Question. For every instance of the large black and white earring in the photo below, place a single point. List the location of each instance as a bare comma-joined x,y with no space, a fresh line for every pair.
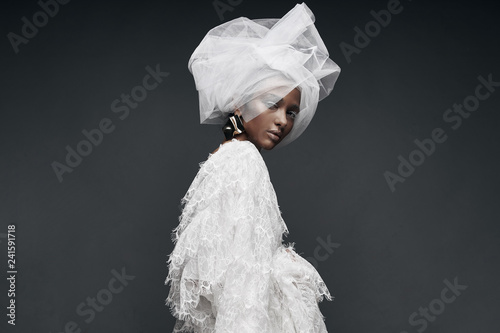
233,126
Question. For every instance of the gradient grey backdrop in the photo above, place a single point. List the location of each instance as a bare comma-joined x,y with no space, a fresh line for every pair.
116,210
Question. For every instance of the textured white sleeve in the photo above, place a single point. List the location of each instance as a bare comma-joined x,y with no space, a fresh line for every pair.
229,230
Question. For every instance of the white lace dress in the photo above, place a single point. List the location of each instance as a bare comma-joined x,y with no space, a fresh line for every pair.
229,270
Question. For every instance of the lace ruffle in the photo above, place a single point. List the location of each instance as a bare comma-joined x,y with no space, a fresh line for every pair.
229,270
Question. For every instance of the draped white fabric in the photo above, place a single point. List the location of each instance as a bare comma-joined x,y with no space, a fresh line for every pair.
229,270
242,59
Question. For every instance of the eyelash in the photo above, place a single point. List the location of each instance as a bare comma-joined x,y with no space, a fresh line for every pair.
271,105
293,114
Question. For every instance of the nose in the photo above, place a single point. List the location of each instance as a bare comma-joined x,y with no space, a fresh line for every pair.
280,117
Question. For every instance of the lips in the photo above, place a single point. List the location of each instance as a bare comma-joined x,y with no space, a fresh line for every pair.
274,135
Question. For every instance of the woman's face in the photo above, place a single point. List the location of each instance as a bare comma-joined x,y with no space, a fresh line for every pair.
275,120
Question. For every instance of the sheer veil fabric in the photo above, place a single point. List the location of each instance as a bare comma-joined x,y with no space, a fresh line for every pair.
242,59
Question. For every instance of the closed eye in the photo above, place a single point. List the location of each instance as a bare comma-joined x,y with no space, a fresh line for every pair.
271,105
292,114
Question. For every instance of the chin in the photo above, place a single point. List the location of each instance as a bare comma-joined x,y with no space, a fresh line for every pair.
268,148
269,144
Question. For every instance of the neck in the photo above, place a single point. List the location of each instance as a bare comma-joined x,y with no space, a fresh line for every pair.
242,137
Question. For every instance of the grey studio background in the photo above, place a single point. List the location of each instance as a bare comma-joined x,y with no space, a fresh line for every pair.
404,233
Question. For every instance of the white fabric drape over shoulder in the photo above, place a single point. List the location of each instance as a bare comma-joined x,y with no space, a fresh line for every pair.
229,271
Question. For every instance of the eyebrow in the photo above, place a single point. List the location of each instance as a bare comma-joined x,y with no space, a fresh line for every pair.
294,107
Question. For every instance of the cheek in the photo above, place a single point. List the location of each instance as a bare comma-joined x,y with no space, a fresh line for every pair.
252,129
290,126
258,130
257,125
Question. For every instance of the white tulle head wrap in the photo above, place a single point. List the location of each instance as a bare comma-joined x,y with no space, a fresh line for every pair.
242,59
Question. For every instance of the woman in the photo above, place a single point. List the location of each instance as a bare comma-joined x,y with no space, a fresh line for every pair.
229,270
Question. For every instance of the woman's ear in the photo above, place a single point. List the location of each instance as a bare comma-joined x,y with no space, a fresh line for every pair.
237,112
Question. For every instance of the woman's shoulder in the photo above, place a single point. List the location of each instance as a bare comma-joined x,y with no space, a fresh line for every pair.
235,158
235,147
